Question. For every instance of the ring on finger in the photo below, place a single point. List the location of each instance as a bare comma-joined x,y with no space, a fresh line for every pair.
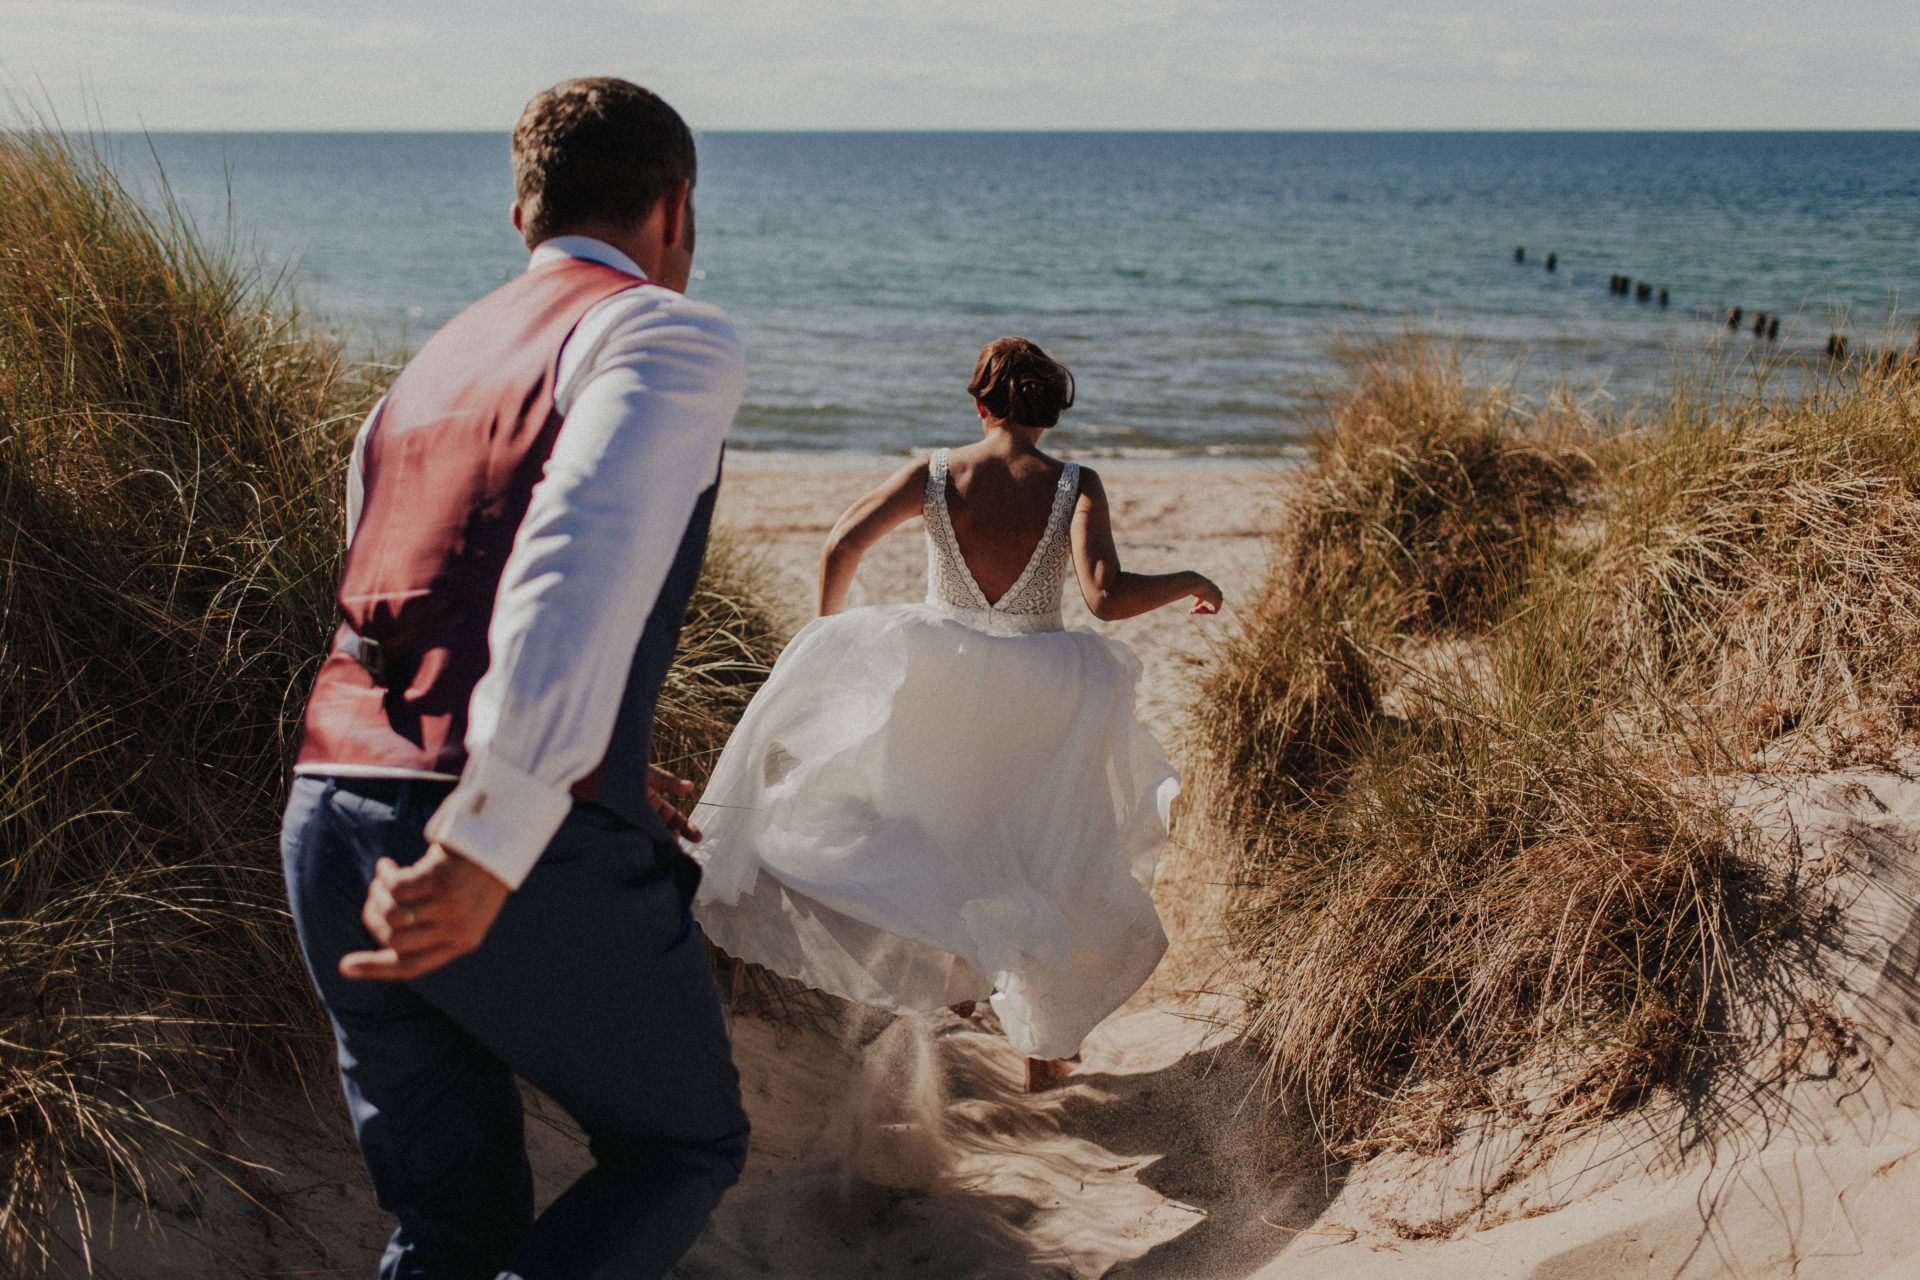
406,915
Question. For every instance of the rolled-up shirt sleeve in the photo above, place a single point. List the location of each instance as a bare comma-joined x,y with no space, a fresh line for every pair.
640,443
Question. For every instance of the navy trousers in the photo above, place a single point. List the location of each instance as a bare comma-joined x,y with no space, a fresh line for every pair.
593,985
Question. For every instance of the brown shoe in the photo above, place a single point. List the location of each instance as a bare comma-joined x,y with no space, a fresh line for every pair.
962,1010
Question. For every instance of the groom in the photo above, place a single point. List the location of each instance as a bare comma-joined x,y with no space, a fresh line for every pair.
485,882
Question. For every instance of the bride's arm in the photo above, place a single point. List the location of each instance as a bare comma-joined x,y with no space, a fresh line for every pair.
863,524
1112,593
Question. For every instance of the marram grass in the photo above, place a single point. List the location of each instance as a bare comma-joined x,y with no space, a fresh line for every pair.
173,434
1464,752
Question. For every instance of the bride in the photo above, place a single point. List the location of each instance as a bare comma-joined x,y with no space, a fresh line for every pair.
939,803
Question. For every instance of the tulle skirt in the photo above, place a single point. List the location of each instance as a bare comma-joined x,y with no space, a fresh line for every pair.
916,811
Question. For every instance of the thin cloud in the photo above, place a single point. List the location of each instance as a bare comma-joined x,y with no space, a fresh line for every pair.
76,22
990,63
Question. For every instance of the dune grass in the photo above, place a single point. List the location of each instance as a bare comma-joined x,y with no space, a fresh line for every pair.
1463,751
172,441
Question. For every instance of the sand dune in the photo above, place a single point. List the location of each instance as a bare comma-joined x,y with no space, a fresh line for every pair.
1150,1162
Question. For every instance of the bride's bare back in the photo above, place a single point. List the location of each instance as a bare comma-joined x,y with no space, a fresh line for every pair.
999,504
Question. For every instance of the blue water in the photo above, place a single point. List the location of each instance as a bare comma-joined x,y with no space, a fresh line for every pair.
1197,284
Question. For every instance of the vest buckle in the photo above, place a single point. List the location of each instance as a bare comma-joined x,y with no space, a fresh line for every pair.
370,654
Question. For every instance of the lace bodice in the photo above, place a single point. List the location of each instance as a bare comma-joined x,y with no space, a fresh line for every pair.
1032,603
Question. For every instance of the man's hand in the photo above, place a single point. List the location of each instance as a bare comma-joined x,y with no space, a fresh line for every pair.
424,915
661,785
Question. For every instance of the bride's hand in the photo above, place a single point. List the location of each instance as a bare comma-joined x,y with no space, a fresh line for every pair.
660,786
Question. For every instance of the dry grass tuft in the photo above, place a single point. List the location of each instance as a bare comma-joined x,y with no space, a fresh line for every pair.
1484,846
1429,493
1284,707
1762,562
1497,875
170,438
732,635
172,441
1419,506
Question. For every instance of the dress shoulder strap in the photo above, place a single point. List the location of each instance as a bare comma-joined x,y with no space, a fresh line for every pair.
1069,488
949,581
1065,494
936,496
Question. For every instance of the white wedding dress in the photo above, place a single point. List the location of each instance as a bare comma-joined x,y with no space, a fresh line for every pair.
937,802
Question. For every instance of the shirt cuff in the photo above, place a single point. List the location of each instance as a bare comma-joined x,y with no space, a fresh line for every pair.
499,817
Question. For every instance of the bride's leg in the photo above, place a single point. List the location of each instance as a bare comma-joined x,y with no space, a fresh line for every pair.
1044,1073
965,987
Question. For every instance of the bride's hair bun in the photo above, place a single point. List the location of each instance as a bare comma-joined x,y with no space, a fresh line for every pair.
1021,384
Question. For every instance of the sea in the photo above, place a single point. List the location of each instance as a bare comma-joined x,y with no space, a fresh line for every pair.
1203,287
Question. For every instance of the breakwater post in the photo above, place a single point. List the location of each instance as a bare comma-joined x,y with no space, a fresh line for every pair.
1520,254
1552,261
1733,318
1663,296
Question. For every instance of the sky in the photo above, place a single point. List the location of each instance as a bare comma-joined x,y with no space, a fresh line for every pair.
975,64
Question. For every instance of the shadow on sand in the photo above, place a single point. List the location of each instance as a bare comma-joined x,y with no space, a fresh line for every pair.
1198,1128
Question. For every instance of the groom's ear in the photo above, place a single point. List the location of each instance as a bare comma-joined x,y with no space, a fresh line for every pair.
676,228
519,218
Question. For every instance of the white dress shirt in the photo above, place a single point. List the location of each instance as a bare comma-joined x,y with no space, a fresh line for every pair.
648,384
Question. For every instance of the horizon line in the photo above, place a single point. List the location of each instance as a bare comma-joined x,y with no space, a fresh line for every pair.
1091,130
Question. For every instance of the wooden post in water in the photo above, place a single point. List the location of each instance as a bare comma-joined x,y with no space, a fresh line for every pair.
1733,318
1520,253
1759,324
1836,346
1552,261
1642,291
1663,296
1773,328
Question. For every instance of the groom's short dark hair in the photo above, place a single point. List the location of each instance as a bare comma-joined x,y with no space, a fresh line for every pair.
597,149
